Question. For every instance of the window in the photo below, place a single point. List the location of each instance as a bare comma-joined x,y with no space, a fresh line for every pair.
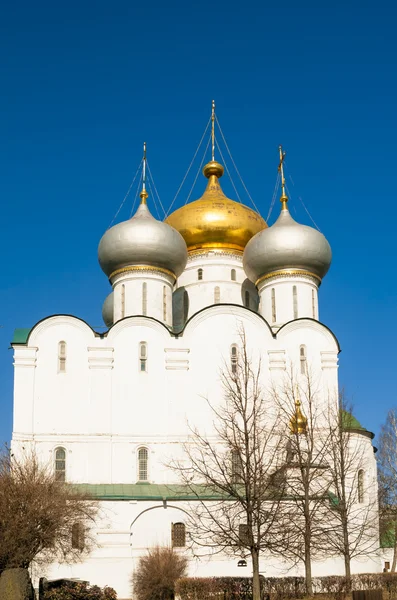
233,358
60,464
247,299
302,356
62,357
274,316
360,486
143,357
217,295
233,274
143,459
243,534
144,298
295,301
178,535
200,274
313,304
164,303
78,536
123,301
237,467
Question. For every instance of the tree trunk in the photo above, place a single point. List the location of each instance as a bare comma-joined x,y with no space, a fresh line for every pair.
256,582
348,574
308,572
346,549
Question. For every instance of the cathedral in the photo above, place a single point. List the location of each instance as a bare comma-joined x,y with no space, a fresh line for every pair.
108,409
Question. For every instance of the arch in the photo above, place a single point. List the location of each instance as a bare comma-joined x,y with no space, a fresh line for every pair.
314,324
54,320
165,505
143,463
60,463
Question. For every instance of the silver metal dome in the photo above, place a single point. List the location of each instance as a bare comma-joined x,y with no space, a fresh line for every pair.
142,240
285,245
107,310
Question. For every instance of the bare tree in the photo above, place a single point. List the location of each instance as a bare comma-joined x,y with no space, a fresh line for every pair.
307,486
231,472
353,523
39,514
387,480
157,573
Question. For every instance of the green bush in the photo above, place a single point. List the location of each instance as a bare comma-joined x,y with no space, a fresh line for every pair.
80,591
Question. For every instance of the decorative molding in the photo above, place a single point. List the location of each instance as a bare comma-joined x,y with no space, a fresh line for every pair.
277,360
143,269
290,273
178,359
329,359
202,253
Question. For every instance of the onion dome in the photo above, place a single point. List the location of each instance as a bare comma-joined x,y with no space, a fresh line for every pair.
107,310
214,221
298,422
285,246
142,241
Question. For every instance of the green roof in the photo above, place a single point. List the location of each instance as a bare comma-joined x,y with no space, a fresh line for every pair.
350,422
388,536
21,335
147,491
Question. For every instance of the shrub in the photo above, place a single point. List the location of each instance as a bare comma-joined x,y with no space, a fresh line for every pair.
156,574
80,591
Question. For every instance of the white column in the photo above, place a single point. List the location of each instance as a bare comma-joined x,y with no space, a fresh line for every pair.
24,376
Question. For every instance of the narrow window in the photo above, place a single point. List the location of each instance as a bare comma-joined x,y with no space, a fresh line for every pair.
60,464
144,298
302,356
164,303
247,299
233,274
360,486
62,357
237,467
274,316
295,301
313,304
217,295
78,536
243,534
233,358
185,306
178,535
143,356
143,464
123,301
200,274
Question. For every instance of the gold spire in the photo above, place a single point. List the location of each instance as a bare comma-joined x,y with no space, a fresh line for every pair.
298,422
144,195
284,197
213,131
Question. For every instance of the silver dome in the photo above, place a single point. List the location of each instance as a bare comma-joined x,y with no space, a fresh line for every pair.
107,310
142,240
286,245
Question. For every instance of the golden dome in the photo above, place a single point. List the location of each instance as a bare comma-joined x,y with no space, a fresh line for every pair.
214,221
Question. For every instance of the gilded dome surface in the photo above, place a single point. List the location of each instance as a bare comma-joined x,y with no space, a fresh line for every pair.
287,245
107,310
142,241
214,221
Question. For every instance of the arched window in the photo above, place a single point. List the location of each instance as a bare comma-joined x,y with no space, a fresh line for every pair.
233,358
178,535
303,359
313,304
78,536
144,298
217,295
60,464
143,466
200,274
62,357
123,301
247,299
233,274
274,315
360,486
143,356
295,301
237,467
164,303
185,306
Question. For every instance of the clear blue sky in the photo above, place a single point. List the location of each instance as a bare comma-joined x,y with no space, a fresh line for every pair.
83,84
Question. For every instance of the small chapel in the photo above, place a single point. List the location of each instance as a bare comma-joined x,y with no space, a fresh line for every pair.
108,409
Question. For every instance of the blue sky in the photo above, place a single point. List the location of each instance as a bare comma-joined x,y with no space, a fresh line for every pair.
84,84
